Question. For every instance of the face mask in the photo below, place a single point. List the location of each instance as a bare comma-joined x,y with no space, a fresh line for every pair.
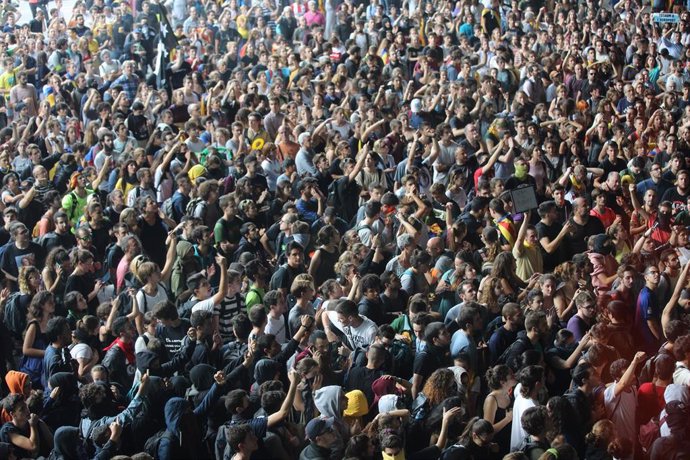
520,171
399,456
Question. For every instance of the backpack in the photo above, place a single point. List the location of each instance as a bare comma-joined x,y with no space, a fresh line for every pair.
167,208
332,198
403,359
73,209
15,316
650,432
153,443
184,305
505,356
146,306
528,446
193,203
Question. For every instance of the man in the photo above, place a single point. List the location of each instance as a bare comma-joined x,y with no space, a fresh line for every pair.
129,81
467,292
551,235
119,358
647,321
602,212
678,195
274,118
304,159
57,357
283,277
505,335
462,341
655,182
322,437
583,320
24,92
583,226
180,199
527,253
362,377
61,236
345,190
536,328
620,398
433,357
21,253
584,382
356,330
242,440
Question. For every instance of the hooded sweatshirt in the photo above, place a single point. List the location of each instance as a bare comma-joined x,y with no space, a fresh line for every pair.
65,409
69,446
179,442
15,382
328,402
185,264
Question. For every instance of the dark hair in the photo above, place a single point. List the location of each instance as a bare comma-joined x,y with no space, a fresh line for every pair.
257,315
236,435
467,314
347,307
529,377
234,400
534,419
496,375
165,311
55,328
582,372
477,426
432,331
272,400
242,326
199,317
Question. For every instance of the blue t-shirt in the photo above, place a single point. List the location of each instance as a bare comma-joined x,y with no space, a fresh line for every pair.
647,309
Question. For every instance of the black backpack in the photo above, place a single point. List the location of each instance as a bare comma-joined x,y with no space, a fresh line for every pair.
15,315
505,357
153,443
333,199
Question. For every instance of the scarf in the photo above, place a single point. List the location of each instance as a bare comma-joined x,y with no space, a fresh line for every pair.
127,348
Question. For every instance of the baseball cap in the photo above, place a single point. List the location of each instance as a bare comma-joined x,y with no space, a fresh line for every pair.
318,426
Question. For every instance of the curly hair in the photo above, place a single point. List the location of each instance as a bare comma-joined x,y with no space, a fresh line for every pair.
439,386
23,279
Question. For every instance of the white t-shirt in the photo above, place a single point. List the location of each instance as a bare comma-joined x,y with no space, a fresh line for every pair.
277,328
146,302
517,434
360,336
81,351
621,410
207,305
681,376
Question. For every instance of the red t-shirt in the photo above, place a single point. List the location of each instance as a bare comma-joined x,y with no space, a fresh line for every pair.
650,401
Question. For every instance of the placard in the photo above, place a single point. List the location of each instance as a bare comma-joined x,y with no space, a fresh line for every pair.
524,199
666,18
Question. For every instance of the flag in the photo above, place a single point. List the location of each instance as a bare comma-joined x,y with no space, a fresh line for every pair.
167,41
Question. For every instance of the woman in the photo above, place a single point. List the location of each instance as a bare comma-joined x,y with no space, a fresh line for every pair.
123,142
602,442
11,193
619,237
360,446
127,180
82,278
84,335
62,407
55,273
29,436
504,269
475,441
35,342
497,405
322,264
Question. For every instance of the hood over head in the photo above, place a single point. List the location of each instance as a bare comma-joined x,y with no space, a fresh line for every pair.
328,401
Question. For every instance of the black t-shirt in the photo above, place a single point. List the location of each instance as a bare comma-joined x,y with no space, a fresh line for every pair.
361,378
13,258
348,198
137,124
153,240
172,336
83,284
373,310
560,254
678,201
576,240
426,362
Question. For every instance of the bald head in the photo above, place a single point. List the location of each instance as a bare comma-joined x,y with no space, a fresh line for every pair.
434,246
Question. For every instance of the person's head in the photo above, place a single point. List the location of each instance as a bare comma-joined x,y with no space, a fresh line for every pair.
437,334
202,321
477,431
583,376
534,420
294,252
652,276
320,431
535,323
531,379
58,331
15,405
681,348
586,305
123,329
470,319
241,438
500,377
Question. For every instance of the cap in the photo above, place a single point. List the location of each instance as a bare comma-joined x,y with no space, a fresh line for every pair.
388,403
138,105
318,426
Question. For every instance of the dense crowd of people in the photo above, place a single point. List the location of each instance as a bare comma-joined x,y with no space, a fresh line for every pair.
345,230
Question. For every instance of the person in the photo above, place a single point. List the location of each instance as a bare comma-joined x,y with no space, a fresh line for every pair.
496,407
530,379
321,436
647,313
